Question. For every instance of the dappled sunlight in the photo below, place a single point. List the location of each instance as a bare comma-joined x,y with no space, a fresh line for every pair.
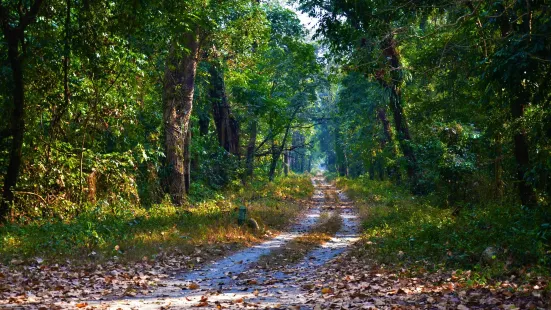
219,154
236,279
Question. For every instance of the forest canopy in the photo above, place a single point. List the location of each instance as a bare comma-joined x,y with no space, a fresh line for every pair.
117,102
391,153
129,103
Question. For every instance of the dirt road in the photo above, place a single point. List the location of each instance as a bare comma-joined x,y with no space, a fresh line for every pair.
239,281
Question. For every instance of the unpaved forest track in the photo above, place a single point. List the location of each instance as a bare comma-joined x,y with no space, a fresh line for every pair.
237,282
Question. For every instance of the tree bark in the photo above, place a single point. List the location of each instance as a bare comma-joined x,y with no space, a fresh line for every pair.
67,52
273,163
396,105
518,105
204,121
178,102
276,151
17,123
227,126
498,166
381,114
187,161
286,163
251,147
520,139
393,172
14,35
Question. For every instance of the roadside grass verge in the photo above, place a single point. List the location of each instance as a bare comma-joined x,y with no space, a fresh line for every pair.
131,232
296,249
407,231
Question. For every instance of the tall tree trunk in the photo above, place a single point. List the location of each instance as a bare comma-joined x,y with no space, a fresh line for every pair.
393,172
234,136
346,168
178,102
17,123
67,52
498,166
339,152
396,105
518,105
381,114
14,35
273,163
227,126
372,169
520,139
251,147
204,121
276,151
286,162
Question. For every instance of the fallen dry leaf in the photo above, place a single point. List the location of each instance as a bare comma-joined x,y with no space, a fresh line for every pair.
326,290
193,286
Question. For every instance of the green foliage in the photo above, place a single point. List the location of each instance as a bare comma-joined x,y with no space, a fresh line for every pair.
473,83
97,138
404,229
139,231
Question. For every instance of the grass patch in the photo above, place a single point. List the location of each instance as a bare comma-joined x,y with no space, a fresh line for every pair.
298,248
409,231
131,232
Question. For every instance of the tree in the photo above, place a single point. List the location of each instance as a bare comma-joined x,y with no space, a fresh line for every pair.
206,20
366,31
14,20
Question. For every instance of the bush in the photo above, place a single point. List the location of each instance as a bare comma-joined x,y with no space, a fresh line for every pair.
210,217
395,222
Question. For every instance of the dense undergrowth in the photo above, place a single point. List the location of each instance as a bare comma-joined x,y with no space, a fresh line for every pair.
408,230
131,231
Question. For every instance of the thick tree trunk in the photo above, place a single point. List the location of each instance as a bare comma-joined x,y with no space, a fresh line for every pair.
227,126
381,114
13,36
396,106
178,102
251,147
520,139
234,137
518,105
17,123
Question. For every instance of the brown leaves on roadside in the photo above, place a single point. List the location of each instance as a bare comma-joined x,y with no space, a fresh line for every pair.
203,302
37,282
326,290
352,283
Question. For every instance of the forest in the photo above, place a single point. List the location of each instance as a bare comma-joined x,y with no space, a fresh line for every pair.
138,132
